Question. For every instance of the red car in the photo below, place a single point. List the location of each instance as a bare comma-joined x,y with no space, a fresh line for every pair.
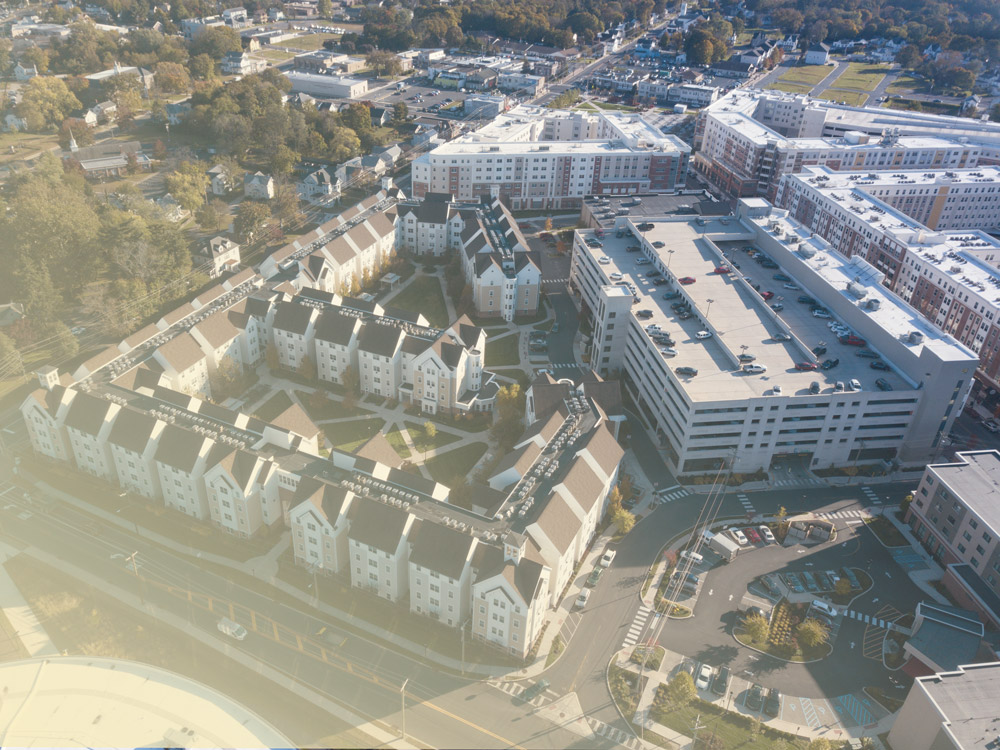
853,341
752,535
767,295
805,366
722,269
687,280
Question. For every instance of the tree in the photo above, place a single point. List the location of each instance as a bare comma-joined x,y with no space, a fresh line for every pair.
251,217
125,90
213,215
307,368
820,743
285,203
351,380
282,161
430,432
681,690
228,380
215,41
188,184
548,223
400,113
342,144
172,77
614,501
812,633
37,56
324,8
909,57
842,587
756,627
709,741
623,521
45,103
159,150
82,133
202,67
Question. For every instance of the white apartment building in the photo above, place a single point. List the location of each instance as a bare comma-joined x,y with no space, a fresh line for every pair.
182,360
133,442
440,574
293,328
242,493
318,523
377,545
534,157
88,424
718,411
951,277
44,412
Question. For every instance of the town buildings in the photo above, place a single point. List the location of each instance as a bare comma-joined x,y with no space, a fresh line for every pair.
543,158
721,411
331,86
955,514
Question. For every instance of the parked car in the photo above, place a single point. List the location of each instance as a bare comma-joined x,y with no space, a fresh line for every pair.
704,678
854,384
703,335
781,336
767,295
754,369
739,536
878,364
819,350
582,599
608,558
595,576
755,698
686,315
772,704
883,385
668,351
822,607
721,682
805,299
851,340
814,387
671,295
746,357
687,280
781,277
820,314
867,354
689,371
829,364
752,534
793,287
722,269
806,366
777,307
766,532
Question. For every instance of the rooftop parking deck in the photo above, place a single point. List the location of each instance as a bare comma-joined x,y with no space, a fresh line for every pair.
726,305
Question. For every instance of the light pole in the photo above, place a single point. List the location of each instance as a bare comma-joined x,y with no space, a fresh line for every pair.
402,698
670,255
135,571
708,309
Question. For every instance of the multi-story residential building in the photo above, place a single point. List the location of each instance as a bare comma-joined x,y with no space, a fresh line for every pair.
336,344
955,513
241,64
378,549
292,330
182,360
219,255
535,157
707,407
440,574
748,139
182,458
318,522
44,413
133,442
242,493
318,184
951,277
88,425
258,186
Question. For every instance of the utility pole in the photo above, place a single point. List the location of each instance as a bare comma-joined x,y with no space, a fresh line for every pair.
135,571
402,697
697,725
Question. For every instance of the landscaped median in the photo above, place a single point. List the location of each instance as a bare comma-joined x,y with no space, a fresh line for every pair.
789,635
886,532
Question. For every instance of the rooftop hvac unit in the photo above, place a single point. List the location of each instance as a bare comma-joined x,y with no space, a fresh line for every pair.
916,337
856,290
873,304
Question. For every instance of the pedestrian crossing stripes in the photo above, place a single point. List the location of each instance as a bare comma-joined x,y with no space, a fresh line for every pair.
514,689
844,514
638,623
872,497
616,735
811,481
563,365
673,494
745,502
872,620
555,281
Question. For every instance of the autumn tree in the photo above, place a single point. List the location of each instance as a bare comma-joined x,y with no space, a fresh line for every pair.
351,380
188,184
285,203
756,627
325,8
215,41
213,215
624,521
172,78
681,689
45,103
383,62
307,369
251,217
812,633
430,432
842,587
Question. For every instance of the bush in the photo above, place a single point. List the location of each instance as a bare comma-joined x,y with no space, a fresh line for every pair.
653,656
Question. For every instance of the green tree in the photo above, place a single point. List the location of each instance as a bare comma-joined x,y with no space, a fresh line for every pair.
172,77
282,161
623,521
383,62
125,91
820,743
251,217
202,67
400,113
188,184
812,633
342,144
358,117
351,380
228,380
325,8
45,103
215,41
37,56
756,627
285,203
842,587
681,689
430,432
213,215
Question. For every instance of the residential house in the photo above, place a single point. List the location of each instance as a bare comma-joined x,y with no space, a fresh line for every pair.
235,18
241,64
182,457
24,72
220,181
109,159
258,186
219,255
381,116
318,184
177,111
336,344
184,364
818,53
44,412
238,489
134,441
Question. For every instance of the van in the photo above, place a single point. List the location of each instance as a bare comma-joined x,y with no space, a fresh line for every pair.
820,606
232,629
692,556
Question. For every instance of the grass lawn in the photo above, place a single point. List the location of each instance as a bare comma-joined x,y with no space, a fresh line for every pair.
87,621
730,727
395,438
275,55
908,84
887,533
441,438
456,463
423,295
309,42
349,436
502,351
274,406
919,106
852,98
610,106
861,76
810,74
329,409
791,88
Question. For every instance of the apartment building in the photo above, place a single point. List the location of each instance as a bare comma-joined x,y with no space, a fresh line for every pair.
183,361
393,353
955,514
318,523
440,574
377,545
133,442
242,493
951,277
88,425
717,410
535,157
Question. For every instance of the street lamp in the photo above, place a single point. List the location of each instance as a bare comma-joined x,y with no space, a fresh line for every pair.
402,698
670,254
708,309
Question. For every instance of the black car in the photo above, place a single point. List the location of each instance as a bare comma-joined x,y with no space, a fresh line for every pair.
781,277
534,691
645,226
685,315
878,364
818,350
660,282
883,385
755,698
814,387
652,274
689,371
721,682
777,307
679,305
867,354
772,705
829,364
805,299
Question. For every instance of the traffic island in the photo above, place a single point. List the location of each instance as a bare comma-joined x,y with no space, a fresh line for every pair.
788,634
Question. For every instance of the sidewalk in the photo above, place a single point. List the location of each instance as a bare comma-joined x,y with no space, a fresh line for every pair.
22,618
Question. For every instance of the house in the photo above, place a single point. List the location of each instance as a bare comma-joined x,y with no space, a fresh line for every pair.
109,159
817,54
733,68
97,80
242,494
970,105
318,184
24,72
177,111
172,210
184,364
235,18
182,457
292,330
220,182
381,116
258,186
88,424
10,313
133,441
101,114
221,255
318,522
241,64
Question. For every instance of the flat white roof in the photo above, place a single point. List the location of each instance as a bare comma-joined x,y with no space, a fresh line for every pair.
825,178
581,148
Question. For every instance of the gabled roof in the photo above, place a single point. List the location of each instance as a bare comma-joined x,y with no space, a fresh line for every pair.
380,339
376,524
583,484
335,327
525,577
181,352
87,413
558,522
218,329
327,498
293,317
294,419
439,548
602,445
377,448
179,448
132,430
241,466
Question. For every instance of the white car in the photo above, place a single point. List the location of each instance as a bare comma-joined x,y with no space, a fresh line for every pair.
642,262
703,335
792,286
704,677
754,369
615,276
666,351
582,599
821,314
608,558
604,260
740,537
767,534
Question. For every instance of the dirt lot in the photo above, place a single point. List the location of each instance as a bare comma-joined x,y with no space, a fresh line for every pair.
83,620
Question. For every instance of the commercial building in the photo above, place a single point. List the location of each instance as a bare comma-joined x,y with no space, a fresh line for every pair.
485,106
955,514
662,91
951,277
742,381
748,139
328,86
505,275
950,711
544,158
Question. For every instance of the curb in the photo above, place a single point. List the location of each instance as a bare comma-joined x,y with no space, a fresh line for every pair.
607,682
732,634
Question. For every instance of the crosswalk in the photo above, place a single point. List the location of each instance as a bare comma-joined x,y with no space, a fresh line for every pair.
563,365
800,481
672,493
870,494
874,621
638,623
615,735
556,281
844,514
514,689
747,505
